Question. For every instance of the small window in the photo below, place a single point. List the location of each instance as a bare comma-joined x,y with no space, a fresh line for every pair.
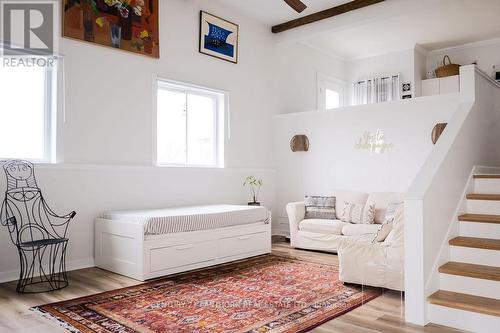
189,126
26,117
330,93
376,90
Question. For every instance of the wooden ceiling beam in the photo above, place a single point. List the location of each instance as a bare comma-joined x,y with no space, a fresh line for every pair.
324,14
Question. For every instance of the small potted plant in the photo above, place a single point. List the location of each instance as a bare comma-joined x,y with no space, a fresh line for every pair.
255,185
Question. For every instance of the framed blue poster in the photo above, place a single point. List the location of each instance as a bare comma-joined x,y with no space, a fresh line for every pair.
218,37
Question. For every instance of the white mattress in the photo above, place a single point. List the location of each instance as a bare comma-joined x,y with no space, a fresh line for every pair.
184,219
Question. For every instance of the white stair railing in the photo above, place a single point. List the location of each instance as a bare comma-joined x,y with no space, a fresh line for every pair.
471,138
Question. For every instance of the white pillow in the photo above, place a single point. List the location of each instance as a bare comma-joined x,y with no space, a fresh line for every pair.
383,231
391,211
393,226
396,236
357,213
369,214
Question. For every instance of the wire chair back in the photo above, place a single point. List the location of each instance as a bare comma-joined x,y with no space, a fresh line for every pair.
24,210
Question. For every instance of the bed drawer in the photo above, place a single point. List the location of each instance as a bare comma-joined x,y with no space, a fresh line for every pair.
244,244
182,255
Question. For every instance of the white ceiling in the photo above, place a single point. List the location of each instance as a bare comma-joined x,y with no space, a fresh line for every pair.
389,26
271,12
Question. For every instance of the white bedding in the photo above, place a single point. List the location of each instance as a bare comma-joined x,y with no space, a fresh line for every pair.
184,219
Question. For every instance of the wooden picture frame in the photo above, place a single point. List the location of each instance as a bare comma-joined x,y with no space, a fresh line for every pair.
218,38
130,26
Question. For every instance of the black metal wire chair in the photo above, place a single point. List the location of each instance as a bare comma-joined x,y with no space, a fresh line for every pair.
38,233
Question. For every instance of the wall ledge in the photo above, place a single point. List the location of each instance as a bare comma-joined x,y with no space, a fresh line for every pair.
453,97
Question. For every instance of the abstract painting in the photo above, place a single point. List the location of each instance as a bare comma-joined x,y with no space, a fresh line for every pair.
218,37
130,25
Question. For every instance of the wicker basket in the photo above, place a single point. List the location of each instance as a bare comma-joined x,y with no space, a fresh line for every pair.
447,70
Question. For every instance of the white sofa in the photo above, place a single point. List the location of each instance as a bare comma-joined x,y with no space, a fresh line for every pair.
361,261
325,235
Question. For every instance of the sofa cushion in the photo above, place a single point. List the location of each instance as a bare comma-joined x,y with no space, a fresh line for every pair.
322,226
359,229
381,200
342,196
318,207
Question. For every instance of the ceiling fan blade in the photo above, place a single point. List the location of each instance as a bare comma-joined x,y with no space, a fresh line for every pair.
298,5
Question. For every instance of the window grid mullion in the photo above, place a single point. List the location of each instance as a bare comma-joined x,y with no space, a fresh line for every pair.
215,112
186,108
47,115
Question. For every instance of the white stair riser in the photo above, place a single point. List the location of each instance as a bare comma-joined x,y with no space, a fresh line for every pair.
474,256
468,285
488,207
487,186
464,320
480,230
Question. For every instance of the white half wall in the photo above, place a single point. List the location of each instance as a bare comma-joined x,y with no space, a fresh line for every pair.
332,161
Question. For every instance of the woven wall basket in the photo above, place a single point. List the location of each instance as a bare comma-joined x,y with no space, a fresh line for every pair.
447,69
437,131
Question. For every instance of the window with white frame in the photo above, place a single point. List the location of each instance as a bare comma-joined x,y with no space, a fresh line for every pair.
376,90
331,92
189,125
27,116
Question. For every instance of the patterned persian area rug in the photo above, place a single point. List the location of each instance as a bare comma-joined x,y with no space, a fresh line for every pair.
269,294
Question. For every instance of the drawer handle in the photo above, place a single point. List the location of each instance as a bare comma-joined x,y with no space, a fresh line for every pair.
185,247
244,237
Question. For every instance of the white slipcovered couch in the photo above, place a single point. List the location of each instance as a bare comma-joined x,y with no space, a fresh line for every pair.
375,264
361,260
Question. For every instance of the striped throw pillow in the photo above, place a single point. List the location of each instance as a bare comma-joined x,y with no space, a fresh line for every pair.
318,207
358,213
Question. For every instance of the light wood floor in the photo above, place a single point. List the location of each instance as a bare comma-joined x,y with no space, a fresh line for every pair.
383,314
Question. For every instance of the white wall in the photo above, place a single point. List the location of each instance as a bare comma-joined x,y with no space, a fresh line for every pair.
332,162
296,72
401,62
107,135
91,189
486,53
419,71
108,128
109,101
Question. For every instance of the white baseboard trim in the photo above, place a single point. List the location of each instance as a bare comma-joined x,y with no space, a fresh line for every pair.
72,265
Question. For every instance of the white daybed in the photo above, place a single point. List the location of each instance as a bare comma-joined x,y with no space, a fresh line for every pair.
151,243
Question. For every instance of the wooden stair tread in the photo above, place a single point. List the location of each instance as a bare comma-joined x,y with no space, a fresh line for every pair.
487,176
478,243
484,305
479,218
477,196
471,270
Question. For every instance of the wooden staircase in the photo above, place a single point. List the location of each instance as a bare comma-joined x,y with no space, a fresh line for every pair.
469,295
